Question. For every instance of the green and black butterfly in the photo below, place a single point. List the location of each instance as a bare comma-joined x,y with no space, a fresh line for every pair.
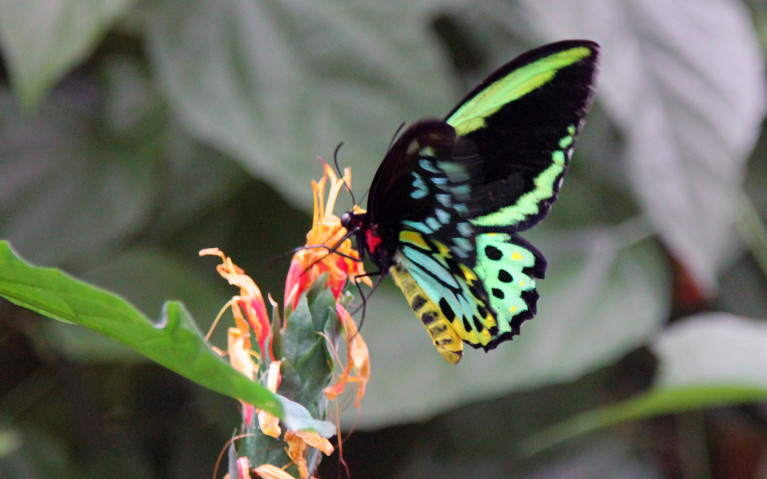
448,202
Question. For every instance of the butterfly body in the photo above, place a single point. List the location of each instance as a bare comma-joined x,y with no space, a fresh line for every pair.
450,197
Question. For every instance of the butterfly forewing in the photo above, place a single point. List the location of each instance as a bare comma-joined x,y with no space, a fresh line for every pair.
524,120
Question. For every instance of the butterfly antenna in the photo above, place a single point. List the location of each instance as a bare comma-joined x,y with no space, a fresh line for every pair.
340,175
331,250
396,134
364,196
274,259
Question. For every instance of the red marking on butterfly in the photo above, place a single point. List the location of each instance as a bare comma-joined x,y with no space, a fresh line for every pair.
373,241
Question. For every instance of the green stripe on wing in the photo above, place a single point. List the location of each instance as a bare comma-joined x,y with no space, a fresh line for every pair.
471,115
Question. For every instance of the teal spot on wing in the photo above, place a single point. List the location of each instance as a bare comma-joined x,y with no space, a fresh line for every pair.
418,226
465,229
421,190
428,166
464,246
432,264
455,171
442,216
433,223
445,200
462,190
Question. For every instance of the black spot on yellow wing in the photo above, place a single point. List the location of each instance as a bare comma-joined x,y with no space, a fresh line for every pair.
446,309
444,337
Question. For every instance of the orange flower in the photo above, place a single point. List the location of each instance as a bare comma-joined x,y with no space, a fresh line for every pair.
250,300
249,313
243,468
325,252
268,471
270,424
299,442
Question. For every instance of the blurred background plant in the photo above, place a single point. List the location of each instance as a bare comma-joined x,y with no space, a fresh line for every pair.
133,134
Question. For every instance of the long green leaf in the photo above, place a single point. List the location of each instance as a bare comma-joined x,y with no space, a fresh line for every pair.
707,360
652,404
174,341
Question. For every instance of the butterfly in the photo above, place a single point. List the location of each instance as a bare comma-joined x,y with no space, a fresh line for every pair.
450,197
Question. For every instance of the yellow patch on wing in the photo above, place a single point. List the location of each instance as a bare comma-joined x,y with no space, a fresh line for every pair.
469,275
442,249
475,336
414,238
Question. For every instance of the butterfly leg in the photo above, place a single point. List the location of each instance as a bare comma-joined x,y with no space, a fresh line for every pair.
364,297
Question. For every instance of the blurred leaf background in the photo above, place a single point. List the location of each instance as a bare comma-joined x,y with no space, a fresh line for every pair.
135,133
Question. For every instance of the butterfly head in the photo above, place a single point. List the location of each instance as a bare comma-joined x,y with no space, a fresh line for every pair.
355,220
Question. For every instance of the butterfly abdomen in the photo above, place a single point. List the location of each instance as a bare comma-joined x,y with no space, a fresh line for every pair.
445,339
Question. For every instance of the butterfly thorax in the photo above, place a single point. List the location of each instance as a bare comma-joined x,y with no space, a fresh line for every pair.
372,239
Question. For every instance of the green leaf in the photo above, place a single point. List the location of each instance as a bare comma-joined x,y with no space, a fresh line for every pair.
275,84
259,448
43,39
688,102
652,404
708,360
135,273
174,342
307,367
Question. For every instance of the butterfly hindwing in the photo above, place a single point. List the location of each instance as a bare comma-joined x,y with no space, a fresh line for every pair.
507,265
482,305
443,291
